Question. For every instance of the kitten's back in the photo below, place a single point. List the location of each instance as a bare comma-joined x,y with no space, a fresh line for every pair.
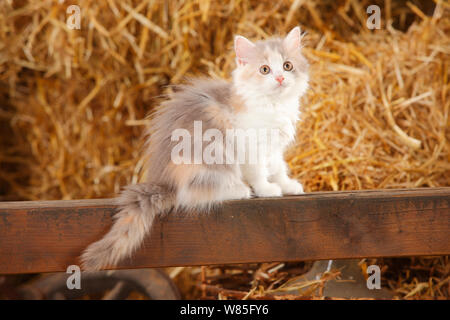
206,100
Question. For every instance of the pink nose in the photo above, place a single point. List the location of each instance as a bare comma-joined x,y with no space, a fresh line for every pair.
279,79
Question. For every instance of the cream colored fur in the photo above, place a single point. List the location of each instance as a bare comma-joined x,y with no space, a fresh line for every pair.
252,101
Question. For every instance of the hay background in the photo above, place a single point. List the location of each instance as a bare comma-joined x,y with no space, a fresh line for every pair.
73,102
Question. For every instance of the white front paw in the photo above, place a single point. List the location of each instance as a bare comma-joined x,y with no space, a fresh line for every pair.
245,192
291,186
267,190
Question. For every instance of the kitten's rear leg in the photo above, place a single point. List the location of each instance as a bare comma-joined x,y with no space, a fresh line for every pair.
229,185
209,186
234,192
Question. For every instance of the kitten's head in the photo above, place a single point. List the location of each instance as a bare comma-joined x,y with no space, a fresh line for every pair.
271,68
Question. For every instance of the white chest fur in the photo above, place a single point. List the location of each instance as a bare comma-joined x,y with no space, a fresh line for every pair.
279,115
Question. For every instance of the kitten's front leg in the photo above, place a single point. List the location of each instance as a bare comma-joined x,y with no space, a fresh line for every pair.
280,177
256,175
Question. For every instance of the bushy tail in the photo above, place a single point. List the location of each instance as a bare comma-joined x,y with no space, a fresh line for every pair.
138,206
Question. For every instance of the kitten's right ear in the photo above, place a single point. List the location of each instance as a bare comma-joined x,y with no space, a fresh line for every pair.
244,49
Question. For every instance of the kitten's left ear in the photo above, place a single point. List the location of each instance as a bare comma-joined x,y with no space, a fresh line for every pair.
293,40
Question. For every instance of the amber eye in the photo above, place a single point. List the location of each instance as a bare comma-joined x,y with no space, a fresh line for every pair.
265,69
287,66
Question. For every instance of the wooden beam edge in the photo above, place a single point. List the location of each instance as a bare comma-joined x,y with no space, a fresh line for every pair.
48,236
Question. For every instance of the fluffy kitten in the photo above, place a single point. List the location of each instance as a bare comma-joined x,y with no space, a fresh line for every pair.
267,84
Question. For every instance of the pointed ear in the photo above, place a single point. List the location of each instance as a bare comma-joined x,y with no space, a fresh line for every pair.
293,40
244,49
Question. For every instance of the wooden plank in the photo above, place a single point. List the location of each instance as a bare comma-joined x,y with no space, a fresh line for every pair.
48,236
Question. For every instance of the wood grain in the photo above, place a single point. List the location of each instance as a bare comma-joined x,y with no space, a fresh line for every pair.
47,236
